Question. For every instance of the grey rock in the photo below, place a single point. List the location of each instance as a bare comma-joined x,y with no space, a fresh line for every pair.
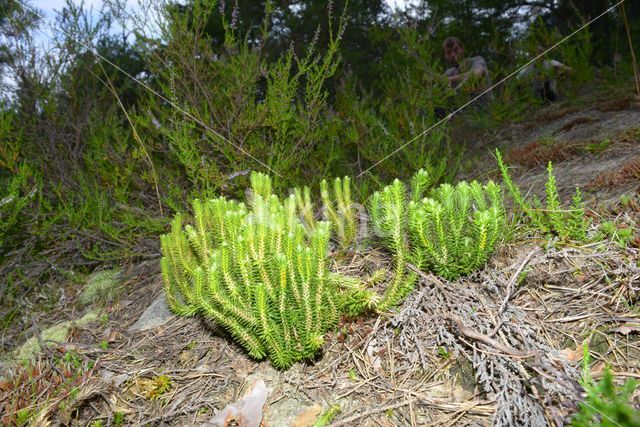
156,315
112,378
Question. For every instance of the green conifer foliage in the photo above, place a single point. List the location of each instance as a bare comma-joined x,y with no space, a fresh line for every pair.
259,273
577,221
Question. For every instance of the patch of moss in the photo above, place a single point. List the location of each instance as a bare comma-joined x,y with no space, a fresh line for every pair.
465,375
54,334
92,316
101,287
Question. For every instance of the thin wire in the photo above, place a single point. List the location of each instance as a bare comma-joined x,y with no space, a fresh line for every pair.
584,402
92,50
143,84
448,117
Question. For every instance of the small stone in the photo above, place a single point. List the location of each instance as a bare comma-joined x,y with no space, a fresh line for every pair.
155,315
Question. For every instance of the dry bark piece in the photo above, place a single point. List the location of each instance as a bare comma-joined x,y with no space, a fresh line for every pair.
308,416
246,412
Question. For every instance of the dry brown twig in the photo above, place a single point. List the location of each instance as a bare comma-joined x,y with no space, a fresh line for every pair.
509,290
506,350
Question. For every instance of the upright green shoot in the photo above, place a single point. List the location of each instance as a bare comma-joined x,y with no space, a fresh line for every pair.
340,210
552,219
259,273
605,404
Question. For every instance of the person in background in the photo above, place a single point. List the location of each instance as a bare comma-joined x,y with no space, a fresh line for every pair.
543,77
469,77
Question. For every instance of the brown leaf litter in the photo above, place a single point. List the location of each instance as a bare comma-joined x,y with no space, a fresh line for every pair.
500,347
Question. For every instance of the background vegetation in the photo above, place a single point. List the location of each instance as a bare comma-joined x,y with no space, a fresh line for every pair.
96,155
129,118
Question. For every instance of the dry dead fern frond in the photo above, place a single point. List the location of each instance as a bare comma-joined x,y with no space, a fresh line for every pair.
618,105
576,122
628,172
539,153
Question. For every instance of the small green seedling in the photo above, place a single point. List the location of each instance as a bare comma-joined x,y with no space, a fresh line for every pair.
118,419
598,147
353,376
328,416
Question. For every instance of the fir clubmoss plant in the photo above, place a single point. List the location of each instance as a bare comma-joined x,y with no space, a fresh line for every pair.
327,416
259,273
421,182
567,224
388,218
452,233
455,231
605,404
305,206
340,210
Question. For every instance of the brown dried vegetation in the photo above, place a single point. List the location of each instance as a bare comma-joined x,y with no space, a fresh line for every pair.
549,116
50,385
618,105
576,122
630,136
540,153
628,172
